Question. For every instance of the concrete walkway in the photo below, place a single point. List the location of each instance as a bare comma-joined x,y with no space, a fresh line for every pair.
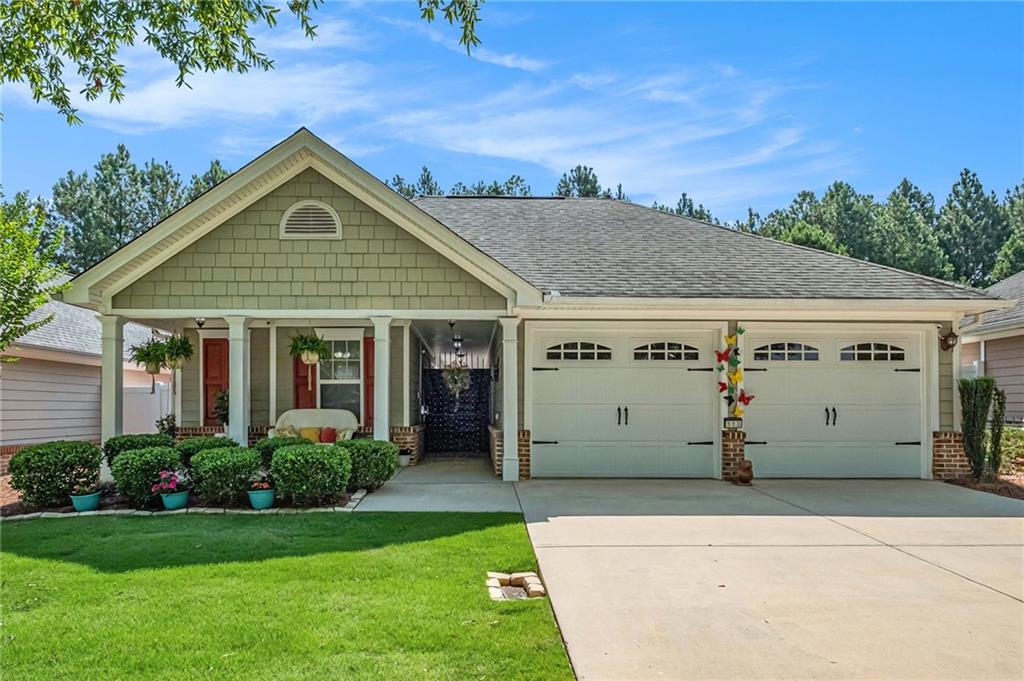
458,485
788,579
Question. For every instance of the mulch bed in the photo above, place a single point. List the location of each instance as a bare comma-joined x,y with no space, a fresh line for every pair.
1005,485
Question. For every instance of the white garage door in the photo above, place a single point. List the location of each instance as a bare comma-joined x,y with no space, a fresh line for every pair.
834,405
623,405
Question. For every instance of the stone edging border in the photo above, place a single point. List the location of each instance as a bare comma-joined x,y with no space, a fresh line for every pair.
353,501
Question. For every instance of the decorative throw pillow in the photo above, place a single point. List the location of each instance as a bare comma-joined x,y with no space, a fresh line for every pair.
312,434
328,434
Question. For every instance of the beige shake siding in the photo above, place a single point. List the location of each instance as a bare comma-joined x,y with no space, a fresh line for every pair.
189,386
243,264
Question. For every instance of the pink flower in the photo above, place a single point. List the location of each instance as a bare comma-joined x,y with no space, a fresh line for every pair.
173,484
164,474
155,487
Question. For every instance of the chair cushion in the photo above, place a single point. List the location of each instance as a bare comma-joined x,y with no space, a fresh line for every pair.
312,434
328,434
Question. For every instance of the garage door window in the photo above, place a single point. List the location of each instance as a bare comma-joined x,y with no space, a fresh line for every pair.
786,352
666,351
872,352
579,350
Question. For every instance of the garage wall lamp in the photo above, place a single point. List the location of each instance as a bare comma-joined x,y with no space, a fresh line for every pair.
948,340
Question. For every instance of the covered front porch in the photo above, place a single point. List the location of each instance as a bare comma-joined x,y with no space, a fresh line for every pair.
376,369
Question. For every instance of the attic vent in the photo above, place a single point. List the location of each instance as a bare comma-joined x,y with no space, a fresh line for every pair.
310,220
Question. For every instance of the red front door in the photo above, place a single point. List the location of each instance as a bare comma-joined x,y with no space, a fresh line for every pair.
305,384
215,376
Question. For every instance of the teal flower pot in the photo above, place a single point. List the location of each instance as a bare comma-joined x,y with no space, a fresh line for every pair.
261,498
172,502
85,502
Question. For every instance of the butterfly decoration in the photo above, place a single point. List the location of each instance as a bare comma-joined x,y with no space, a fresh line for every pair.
734,361
744,398
723,356
730,400
736,376
730,340
722,386
738,412
740,330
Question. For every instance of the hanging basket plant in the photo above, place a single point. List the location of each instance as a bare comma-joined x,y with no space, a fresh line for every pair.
152,355
178,351
309,348
457,379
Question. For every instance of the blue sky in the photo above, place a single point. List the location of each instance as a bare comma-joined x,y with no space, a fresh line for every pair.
736,105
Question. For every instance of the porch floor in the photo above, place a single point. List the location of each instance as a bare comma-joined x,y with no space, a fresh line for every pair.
456,485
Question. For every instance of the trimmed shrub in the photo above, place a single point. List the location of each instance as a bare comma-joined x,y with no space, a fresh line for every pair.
136,470
1013,449
267,446
995,448
48,474
311,475
975,401
122,443
222,476
373,462
191,446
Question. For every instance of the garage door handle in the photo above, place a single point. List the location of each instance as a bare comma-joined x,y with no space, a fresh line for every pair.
620,417
915,371
709,442
901,444
835,417
544,442
826,416
627,416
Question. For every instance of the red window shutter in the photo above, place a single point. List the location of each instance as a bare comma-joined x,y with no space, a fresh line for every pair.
304,376
368,381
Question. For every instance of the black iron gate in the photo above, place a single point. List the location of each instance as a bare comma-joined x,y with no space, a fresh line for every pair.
457,425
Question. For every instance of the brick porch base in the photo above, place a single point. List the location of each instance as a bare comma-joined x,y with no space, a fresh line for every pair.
497,439
948,458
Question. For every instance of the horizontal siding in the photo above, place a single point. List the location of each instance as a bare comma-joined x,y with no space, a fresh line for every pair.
42,400
1004,361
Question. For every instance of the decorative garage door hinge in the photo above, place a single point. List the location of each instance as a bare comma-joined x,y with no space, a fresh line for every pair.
918,443
701,369
909,371
545,368
708,442
756,442
544,442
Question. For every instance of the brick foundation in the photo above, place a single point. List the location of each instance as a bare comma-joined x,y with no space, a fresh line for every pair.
733,451
255,432
497,440
948,458
411,438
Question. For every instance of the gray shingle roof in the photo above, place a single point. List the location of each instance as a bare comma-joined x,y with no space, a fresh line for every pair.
1011,288
601,247
76,329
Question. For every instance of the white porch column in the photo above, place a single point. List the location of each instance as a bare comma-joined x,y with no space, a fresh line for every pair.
238,379
381,377
111,381
510,398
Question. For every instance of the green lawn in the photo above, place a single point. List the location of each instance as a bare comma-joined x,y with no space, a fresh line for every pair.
306,596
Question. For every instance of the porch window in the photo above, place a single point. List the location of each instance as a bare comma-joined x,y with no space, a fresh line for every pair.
340,377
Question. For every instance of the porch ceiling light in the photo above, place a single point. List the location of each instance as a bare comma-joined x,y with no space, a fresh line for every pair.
457,342
200,322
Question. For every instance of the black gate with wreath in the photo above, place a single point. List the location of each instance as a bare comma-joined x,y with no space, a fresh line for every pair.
457,426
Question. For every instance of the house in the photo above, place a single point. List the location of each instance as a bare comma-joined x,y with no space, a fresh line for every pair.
604,322
52,391
993,345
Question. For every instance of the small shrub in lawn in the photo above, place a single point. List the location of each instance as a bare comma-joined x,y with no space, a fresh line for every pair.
136,470
267,446
191,446
373,462
311,475
223,476
48,474
122,443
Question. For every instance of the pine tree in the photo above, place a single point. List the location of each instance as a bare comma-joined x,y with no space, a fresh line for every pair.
803,208
849,217
580,182
972,226
686,207
1010,259
812,236
213,176
901,237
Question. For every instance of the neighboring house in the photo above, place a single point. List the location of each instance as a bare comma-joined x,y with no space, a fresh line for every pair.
993,345
600,320
52,392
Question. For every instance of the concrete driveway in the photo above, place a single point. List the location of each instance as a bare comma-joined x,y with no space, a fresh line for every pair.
788,579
